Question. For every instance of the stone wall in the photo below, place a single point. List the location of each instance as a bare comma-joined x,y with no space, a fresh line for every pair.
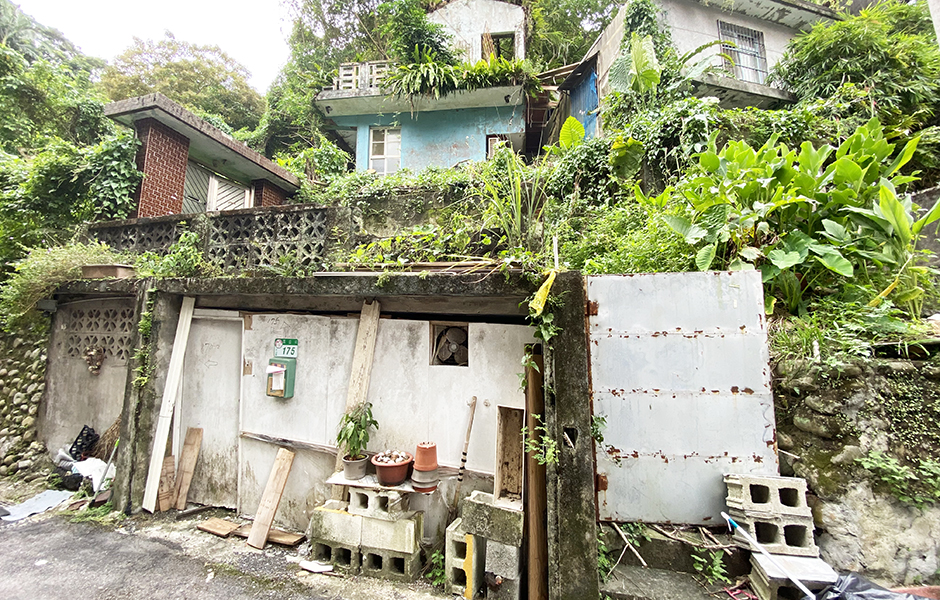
22,383
829,418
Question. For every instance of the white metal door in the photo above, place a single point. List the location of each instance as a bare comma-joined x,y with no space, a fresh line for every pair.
209,398
679,368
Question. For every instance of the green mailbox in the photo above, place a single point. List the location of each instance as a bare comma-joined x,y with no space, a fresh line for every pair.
281,375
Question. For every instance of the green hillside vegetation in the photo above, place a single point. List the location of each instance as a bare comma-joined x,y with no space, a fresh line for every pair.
815,196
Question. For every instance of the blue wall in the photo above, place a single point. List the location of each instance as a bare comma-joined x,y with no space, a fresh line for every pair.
584,103
441,138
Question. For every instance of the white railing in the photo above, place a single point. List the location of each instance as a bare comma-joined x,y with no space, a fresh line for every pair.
359,76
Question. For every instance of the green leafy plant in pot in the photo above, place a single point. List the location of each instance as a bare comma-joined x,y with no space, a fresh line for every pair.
353,437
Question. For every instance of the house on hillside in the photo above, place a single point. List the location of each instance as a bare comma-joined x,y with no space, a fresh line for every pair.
190,167
386,133
756,32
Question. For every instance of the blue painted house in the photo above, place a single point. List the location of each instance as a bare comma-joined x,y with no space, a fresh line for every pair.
386,133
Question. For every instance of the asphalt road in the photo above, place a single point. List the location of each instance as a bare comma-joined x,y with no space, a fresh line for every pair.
54,559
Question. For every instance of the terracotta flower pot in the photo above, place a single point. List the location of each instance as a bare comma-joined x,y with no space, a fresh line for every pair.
424,481
390,473
426,456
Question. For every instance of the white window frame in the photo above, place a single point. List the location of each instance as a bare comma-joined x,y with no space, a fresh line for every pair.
385,157
749,53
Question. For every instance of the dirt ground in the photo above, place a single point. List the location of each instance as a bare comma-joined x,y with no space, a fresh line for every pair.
158,556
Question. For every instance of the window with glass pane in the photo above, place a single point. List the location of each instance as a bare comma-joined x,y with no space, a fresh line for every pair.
748,53
385,150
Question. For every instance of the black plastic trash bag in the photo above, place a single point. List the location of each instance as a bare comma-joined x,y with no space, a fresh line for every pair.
855,587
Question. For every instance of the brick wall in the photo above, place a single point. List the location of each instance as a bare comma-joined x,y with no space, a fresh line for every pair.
268,194
162,158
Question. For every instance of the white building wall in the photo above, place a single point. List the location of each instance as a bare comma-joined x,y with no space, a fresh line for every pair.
694,24
468,20
413,401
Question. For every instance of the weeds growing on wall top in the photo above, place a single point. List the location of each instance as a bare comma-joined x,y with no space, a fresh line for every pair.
42,270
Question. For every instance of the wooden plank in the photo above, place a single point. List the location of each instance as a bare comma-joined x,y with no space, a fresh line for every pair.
361,372
507,481
188,456
287,443
275,536
167,484
217,526
537,524
271,498
173,377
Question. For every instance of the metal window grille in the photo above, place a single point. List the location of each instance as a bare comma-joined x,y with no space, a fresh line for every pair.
748,54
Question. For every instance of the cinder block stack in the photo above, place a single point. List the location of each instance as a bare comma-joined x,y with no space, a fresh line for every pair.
373,535
502,528
773,510
464,556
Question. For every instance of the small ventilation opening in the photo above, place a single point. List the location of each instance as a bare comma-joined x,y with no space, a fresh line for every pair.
789,497
766,532
450,344
760,494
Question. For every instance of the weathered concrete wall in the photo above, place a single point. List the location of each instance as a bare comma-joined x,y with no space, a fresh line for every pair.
440,138
468,20
572,535
22,371
829,418
142,400
75,396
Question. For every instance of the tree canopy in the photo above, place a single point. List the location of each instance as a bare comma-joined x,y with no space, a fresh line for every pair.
203,78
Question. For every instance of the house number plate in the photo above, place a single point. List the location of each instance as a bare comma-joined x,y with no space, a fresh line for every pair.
285,348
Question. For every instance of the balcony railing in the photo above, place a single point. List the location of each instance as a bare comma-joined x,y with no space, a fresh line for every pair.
361,76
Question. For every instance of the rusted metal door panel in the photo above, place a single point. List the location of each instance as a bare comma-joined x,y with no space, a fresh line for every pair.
679,368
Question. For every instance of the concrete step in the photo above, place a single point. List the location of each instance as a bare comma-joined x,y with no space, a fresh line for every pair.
628,582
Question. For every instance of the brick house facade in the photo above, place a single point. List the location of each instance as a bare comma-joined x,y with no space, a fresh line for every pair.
175,142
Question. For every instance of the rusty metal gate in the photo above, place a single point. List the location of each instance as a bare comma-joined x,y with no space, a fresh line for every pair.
679,369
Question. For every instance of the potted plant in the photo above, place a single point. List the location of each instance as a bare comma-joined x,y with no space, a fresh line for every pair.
391,466
353,437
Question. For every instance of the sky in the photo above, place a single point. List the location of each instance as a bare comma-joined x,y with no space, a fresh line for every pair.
253,33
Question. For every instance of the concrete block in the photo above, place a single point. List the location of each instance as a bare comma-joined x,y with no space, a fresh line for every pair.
379,504
403,535
770,583
464,557
345,559
778,535
785,496
503,560
388,564
495,523
335,526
